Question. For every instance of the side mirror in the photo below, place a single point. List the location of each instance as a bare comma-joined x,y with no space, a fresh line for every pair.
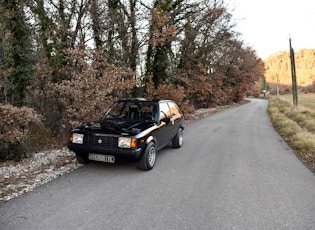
166,119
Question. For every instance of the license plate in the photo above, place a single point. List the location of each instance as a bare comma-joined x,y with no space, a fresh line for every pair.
103,158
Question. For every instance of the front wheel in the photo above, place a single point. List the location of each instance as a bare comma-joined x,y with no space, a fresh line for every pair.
178,139
82,158
148,157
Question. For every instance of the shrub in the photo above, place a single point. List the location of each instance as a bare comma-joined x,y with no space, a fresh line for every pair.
40,138
171,92
14,126
90,90
12,151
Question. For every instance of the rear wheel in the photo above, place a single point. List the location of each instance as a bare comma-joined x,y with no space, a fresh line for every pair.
178,139
148,157
82,158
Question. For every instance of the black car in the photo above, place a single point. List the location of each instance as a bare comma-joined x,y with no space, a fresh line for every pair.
131,128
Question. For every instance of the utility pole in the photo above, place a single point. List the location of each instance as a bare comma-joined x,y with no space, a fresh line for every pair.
293,73
278,85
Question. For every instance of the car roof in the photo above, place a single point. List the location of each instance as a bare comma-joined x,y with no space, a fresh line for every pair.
141,100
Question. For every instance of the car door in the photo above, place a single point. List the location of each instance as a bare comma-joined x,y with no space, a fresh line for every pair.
163,135
176,118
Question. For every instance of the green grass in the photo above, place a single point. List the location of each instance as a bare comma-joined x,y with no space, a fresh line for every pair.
296,124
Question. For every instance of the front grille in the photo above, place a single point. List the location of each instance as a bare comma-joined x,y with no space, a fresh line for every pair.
101,140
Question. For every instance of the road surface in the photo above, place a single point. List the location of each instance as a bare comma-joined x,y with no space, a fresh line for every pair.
233,172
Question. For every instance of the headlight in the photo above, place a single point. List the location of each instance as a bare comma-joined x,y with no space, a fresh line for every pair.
126,142
77,138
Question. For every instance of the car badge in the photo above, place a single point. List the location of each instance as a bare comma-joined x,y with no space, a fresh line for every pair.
99,141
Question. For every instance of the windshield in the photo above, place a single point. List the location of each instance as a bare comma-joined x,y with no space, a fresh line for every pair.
133,110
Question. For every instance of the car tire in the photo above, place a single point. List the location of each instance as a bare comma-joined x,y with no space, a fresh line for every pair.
148,157
82,158
178,139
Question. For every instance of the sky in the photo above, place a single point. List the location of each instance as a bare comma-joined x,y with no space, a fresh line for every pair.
267,25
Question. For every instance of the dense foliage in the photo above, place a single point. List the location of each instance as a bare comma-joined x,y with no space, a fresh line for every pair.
278,70
68,60
15,123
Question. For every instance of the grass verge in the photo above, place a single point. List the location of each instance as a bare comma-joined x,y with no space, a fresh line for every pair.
296,125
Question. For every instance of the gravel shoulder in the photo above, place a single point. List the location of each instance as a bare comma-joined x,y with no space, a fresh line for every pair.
17,178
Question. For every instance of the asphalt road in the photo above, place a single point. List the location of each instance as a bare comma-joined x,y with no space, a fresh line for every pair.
233,172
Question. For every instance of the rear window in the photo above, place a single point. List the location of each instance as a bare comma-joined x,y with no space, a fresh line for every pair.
174,109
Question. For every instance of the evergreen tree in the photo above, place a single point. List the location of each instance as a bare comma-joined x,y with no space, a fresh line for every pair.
16,61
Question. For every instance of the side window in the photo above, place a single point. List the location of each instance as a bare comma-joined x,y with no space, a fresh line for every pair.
174,109
164,110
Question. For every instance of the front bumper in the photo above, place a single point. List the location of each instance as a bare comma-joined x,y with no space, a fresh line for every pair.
134,153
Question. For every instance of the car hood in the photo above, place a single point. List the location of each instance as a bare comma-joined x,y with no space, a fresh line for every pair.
117,127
